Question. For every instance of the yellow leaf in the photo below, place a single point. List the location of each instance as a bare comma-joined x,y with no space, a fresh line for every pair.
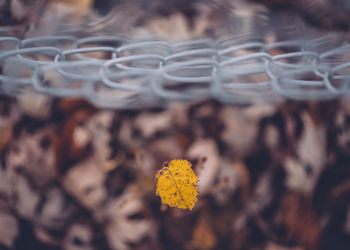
177,184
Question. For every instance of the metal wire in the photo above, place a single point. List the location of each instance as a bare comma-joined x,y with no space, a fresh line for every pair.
118,72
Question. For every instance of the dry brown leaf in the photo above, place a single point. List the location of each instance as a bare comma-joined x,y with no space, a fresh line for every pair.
203,236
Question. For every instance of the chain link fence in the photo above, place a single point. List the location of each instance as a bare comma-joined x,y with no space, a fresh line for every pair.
118,72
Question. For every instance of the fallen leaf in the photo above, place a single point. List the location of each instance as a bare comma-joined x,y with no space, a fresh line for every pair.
177,184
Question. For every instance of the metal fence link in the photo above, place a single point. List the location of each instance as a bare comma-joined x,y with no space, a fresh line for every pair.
118,72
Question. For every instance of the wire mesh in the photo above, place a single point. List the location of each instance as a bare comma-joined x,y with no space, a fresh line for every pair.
118,72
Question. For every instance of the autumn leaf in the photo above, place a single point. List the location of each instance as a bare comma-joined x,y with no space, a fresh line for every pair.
177,184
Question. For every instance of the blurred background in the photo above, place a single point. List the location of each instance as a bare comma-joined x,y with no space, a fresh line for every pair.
171,19
271,176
